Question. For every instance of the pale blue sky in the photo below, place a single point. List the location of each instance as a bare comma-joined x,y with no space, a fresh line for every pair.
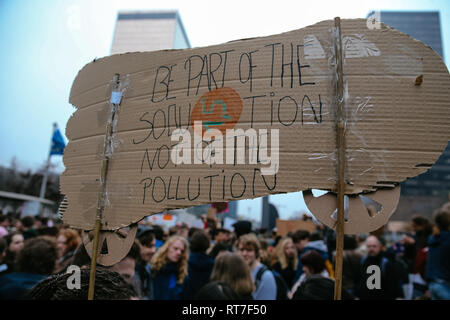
46,42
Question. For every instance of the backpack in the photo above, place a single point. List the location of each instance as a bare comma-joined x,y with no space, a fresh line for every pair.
282,287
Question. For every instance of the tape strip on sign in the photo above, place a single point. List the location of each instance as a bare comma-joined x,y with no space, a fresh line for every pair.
116,97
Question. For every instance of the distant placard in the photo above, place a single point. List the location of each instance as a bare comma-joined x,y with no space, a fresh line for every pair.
286,226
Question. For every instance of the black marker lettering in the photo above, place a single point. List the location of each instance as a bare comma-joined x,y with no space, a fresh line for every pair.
264,179
211,71
299,66
279,108
198,192
153,189
145,187
289,64
210,184
176,192
225,65
151,128
231,185
273,60
168,190
253,105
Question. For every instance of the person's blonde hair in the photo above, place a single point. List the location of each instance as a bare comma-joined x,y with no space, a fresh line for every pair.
159,260
281,254
232,269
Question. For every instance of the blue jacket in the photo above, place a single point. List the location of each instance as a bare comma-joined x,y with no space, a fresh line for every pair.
165,286
438,261
15,286
200,266
266,288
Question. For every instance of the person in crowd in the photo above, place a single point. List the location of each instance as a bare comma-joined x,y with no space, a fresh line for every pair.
200,265
3,265
173,231
388,283
249,248
221,236
351,262
35,262
142,277
264,253
217,290
242,227
28,229
169,269
183,230
67,242
317,243
16,224
4,223
315,283
159,236
14,243
191,232
48,231
286,260
81,258
304,242
126,266
232,270
301,239
438,264
218,248
109,285
412,245
315,266
361,240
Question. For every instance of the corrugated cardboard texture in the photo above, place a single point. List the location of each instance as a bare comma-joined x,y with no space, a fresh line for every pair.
395,129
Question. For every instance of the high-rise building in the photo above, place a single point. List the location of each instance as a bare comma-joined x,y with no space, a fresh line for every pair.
149,31
428,191
423,26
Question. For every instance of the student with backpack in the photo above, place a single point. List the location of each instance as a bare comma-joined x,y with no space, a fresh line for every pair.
266,288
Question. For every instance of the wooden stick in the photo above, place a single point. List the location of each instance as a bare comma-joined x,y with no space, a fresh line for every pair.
98,225
101,195
340,129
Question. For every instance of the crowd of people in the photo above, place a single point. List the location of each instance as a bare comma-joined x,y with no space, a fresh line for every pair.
185,263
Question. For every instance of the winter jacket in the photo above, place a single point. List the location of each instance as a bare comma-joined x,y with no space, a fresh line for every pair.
142,280
200,266
438,262
318,287
165,286
16,285
388,282
288,273
351,262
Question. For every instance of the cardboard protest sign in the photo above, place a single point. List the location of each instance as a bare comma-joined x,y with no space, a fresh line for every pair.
253,117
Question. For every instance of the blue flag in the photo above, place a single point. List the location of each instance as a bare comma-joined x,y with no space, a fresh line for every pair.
58,143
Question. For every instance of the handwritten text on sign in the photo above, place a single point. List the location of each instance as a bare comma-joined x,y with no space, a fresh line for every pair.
214,142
